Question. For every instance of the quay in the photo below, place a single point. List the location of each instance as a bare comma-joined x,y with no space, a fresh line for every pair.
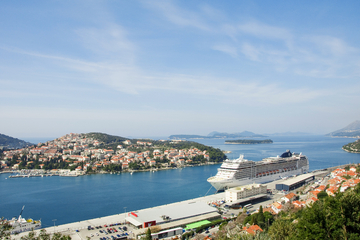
181,213
169,216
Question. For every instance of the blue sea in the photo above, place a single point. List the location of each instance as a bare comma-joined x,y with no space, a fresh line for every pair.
68,199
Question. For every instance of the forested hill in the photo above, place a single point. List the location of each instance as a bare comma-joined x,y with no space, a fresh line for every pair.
353,147
105,138
12,143
110,141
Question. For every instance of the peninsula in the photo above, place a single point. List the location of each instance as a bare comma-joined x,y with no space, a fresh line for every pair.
248,141
353,147
83,153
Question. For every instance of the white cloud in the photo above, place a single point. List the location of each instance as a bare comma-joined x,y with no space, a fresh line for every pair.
250,51
261,30
110,41
133,80
179,16
231,50
283,48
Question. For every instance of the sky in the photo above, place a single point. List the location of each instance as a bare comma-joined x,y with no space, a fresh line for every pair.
157,68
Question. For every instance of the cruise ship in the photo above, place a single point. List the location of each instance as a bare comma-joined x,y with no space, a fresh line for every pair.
23,225
238,172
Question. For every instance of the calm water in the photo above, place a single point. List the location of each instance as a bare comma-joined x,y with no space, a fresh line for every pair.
76,199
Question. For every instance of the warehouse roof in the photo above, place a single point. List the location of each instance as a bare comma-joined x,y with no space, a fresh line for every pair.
297,179
170,212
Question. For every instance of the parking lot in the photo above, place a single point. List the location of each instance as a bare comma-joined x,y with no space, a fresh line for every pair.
106,232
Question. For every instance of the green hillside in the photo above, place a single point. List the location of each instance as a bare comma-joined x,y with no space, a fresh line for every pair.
10,142
105,138
353,147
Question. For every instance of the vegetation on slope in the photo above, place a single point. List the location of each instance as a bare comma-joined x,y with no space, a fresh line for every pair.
328,218
352,147
105,138
10,142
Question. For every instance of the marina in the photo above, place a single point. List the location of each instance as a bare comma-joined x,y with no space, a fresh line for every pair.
31,175
27,173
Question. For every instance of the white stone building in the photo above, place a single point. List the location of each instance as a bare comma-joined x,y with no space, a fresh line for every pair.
236,193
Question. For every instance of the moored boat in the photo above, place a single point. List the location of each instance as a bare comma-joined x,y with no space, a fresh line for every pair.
21,224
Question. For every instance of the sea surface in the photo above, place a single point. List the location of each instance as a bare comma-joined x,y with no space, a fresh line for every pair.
71,199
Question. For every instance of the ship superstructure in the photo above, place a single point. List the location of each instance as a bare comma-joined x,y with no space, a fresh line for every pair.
23,225
240,171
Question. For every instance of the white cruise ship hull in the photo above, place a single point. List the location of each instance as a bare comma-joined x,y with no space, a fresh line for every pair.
221,184
240,172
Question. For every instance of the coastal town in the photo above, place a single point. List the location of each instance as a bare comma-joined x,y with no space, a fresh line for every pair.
77,154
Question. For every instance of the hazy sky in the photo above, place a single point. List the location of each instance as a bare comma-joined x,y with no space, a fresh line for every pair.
156,68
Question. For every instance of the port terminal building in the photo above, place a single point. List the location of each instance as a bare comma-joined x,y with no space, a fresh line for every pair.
237,195
296,182
172,215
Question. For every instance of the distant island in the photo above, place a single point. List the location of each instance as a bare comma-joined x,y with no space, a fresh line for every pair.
350,131
248,141
212,135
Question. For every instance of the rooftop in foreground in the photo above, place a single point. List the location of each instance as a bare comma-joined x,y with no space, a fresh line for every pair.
170,212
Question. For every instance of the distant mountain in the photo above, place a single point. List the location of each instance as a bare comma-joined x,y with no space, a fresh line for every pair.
352,131
215,134
242,134
289,134
235,135
12,143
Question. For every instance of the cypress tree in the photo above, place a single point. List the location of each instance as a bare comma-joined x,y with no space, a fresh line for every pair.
148,235
260,215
